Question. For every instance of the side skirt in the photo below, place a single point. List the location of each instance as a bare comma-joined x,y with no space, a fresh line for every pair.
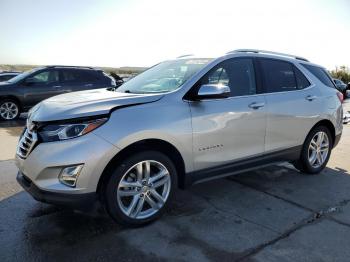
244,165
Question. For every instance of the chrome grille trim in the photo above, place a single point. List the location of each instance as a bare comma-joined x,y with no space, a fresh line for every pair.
26,143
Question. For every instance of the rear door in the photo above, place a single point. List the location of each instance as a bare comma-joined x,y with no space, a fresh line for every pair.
79,79
233,128
292,104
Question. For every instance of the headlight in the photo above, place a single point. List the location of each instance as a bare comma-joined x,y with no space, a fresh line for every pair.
57,132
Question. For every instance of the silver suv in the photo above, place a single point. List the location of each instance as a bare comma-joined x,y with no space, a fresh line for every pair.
181,122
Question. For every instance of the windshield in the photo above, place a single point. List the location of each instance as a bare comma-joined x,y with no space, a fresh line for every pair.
22,75
164,77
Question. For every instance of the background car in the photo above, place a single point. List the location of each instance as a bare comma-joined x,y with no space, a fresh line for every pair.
341,86
4,76
29,88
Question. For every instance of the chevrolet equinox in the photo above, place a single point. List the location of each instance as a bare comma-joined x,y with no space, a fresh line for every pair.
180,122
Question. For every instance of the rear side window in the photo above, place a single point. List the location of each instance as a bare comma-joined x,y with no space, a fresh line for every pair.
278,76
78,76
69,76
320,73
302,81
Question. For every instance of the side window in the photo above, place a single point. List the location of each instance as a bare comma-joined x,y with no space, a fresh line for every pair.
46,77
278,75
302,81
69,76
83,76
237,73
6,77
77,76
219,76
320,73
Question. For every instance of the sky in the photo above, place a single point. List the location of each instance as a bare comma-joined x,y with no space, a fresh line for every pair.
142,33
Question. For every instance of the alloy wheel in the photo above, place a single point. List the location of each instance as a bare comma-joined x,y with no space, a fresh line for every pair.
144,189
9,110
318,149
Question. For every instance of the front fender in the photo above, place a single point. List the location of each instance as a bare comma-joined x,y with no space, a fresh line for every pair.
162,120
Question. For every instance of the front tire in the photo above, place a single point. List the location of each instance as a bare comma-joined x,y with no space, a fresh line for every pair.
9,110
140,188
316,151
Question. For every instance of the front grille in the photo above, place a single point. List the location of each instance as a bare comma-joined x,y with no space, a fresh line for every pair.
26,143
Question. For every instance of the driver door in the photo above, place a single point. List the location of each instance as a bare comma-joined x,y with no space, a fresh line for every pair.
229,129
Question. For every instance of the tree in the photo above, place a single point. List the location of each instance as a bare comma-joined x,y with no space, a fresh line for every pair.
342,73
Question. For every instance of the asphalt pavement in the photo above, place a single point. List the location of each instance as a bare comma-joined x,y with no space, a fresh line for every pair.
272,214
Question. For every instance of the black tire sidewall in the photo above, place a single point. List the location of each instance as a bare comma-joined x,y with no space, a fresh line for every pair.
306,166
12,101
110,197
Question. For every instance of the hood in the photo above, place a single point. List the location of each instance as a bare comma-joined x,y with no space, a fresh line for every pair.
86,103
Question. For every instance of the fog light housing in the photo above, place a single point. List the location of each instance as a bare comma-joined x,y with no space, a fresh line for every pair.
69,175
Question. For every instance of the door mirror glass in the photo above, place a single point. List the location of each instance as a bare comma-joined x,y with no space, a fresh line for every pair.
213,91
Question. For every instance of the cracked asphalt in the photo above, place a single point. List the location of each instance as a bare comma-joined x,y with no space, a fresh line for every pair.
272,214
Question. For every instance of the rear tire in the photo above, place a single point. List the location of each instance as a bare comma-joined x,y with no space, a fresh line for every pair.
9,110
140,188
315,152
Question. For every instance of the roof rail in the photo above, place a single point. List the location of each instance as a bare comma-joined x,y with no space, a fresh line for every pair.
53,66
182,56
266,52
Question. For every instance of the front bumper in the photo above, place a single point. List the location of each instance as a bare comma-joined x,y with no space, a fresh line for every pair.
70,200
44,164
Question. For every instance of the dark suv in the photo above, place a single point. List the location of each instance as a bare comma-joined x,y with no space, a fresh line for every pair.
29,88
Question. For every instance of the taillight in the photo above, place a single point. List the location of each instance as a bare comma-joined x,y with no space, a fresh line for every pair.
340,96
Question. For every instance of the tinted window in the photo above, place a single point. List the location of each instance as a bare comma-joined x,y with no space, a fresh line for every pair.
321,74
302,81
237,74
46,77
88,76
78,76
69,76
278,75
6,77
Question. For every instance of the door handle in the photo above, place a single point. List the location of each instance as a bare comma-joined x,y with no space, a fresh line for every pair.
256,105
88,85
310,98
57,86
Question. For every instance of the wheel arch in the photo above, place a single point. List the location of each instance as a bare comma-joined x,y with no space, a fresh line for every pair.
14,98
327,123
148,144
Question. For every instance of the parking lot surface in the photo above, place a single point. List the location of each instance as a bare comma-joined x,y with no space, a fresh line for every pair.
272,214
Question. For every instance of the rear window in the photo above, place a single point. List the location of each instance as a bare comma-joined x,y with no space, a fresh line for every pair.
321,74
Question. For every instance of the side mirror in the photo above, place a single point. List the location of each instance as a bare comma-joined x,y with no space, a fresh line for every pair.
213,91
